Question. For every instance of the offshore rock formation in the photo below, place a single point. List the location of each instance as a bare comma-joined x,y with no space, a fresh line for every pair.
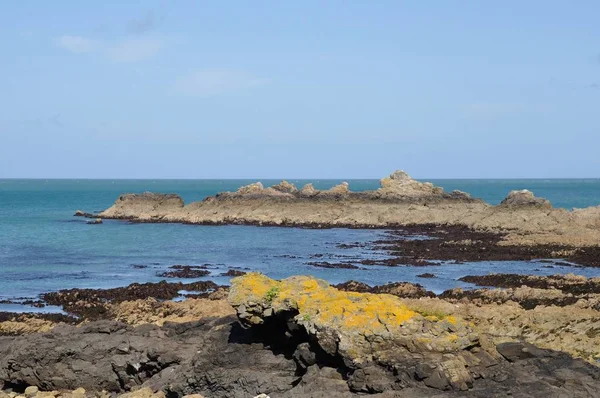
400,201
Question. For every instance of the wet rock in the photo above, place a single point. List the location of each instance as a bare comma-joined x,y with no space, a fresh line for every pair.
326,264
233,273
94,304
426,275
95,221
184,271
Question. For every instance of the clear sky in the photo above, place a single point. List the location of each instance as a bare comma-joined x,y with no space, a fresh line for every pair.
348,89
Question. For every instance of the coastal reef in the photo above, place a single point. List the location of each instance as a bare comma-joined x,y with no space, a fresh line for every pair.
302,337
522,218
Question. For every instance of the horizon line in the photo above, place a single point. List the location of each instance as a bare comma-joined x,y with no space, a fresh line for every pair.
288,178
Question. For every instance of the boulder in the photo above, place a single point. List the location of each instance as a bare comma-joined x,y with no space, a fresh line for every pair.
524,198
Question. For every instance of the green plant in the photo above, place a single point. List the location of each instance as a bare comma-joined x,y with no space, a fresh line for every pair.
306,317
272,294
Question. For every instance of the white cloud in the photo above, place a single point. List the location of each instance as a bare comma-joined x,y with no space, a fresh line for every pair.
134,49
208,82
75,44
130,49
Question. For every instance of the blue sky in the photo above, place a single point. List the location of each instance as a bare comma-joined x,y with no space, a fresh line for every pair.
189,89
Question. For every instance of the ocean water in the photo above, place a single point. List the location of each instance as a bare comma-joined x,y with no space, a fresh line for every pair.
44,248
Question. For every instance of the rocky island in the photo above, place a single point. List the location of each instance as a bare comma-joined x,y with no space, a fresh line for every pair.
400,201
522,226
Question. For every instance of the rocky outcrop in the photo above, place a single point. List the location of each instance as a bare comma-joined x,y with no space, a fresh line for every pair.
400,184
524,198
285,187
401,201
386,344
358,327
147,205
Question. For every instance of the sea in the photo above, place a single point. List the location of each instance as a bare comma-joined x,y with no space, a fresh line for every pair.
44,248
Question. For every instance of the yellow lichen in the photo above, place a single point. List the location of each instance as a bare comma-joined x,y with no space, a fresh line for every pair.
323,304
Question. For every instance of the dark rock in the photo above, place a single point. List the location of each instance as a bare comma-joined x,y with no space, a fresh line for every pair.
304,356
233,272
437,380
92,304
325,264
217,358
514,351
423,371
426,275
184,271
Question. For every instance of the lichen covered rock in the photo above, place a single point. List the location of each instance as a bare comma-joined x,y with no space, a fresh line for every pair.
359,327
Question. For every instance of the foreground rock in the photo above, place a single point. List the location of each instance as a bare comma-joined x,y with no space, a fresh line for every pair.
301,338
401,201
384,344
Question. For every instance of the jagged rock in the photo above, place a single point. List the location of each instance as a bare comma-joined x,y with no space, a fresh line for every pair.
340,189
400,184
251,189
285,187
308,190
524,198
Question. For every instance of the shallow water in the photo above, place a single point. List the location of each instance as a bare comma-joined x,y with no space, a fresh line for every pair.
44,248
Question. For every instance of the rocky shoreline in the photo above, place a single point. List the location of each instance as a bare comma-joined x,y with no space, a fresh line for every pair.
522,219
512,335
136,337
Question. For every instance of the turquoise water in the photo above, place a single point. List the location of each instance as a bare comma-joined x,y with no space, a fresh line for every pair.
43,248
